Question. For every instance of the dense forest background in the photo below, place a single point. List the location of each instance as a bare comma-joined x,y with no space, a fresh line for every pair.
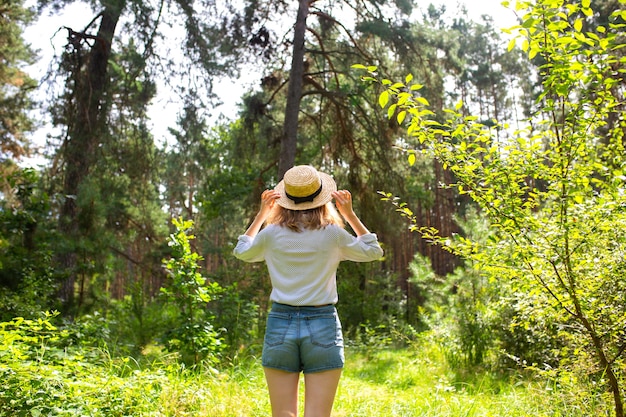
500,207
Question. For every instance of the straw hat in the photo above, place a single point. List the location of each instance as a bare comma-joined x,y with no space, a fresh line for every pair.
304,188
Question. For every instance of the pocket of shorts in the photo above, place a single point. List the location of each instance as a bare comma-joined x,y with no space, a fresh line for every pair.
276,329
325,330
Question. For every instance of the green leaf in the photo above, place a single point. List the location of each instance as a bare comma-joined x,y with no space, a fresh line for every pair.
593,36
511,45
578,25
528,23
401,116
565,41
383,99
422,101
403,98
412,159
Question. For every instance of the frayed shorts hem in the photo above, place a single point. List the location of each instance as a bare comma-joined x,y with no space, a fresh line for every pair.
306,371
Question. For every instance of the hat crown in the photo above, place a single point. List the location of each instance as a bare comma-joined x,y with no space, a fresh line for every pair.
302,181
303,188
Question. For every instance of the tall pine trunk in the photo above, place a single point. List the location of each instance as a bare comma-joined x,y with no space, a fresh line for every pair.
86,127
288,143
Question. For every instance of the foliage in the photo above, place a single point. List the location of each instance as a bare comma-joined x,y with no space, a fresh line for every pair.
371,306
107,70
476,318
113,181
192,334
43,376
214,177
239,318
27,280
134,324
458,309
15,85
555,195
116,238
526,338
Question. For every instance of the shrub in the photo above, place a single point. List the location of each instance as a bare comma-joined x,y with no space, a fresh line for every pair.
192,334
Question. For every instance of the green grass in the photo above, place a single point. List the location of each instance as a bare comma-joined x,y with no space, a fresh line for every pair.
404,383
376,382
397,383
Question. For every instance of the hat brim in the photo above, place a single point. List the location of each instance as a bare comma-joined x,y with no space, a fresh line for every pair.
325,196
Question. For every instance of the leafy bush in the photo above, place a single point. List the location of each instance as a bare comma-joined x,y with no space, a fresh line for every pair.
524,338
554,190
367,295
459,308
192,334
238,319
134,325
27,280
45,373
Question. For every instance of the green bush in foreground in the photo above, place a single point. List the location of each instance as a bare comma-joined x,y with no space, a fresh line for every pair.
43,376
192,335
552,191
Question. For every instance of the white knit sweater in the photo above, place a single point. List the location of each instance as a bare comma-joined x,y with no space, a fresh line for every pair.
303,265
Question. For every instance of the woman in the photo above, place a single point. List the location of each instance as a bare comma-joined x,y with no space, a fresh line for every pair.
302,245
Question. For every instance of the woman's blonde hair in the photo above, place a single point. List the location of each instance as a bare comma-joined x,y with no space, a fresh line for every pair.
297,220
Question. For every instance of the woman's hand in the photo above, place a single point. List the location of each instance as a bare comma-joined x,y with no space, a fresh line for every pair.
343,201
268,199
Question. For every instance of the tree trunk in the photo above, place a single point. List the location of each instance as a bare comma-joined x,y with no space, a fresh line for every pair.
600,349
294,93
442,219
86,127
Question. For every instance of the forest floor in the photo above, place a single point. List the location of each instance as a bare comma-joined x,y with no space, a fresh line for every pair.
410,383
385,382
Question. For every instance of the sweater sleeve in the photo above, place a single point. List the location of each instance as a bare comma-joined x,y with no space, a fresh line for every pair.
363,248
250,249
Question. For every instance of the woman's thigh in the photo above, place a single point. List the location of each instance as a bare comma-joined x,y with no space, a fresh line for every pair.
319,392
283,390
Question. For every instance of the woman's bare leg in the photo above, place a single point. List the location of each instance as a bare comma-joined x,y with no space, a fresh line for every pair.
319,392
283,389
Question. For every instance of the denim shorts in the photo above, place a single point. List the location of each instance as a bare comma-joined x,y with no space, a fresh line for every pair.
303,339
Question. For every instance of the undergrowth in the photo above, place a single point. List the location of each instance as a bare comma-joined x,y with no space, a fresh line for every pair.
43,375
